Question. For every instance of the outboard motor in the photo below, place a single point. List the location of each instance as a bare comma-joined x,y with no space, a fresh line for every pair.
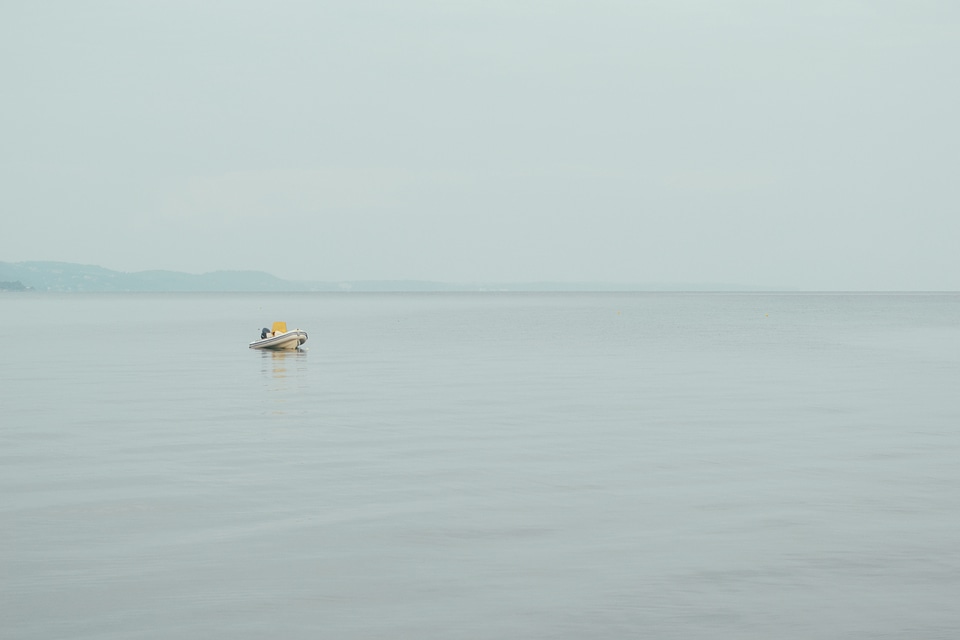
263,334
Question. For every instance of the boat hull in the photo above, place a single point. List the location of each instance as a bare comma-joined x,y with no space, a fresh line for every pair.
287,341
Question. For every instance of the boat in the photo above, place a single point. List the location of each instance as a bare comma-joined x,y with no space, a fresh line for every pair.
278,338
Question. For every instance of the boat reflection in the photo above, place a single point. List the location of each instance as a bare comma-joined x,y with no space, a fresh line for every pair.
277,364
285,379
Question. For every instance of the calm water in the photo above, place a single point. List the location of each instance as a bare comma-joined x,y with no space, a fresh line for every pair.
481,466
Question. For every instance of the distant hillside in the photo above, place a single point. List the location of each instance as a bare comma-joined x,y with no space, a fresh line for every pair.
12,286
79,278
69,277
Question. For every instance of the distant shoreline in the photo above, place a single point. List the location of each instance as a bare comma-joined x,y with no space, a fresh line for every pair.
491,292
64,277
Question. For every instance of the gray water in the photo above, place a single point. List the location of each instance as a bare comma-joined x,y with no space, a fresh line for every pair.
480,466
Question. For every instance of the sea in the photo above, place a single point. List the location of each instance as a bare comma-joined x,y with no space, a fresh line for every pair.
480,465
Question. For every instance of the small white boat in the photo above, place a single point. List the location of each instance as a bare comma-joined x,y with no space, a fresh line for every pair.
278,338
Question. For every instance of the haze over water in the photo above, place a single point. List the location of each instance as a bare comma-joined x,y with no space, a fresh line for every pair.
481,465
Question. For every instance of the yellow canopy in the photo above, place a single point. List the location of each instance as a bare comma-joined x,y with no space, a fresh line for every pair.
279,327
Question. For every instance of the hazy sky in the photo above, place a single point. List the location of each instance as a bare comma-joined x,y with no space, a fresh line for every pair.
807,144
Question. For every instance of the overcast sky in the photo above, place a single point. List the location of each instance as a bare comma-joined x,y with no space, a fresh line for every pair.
805,144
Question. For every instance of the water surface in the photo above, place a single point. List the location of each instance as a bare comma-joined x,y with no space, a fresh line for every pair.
480,466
